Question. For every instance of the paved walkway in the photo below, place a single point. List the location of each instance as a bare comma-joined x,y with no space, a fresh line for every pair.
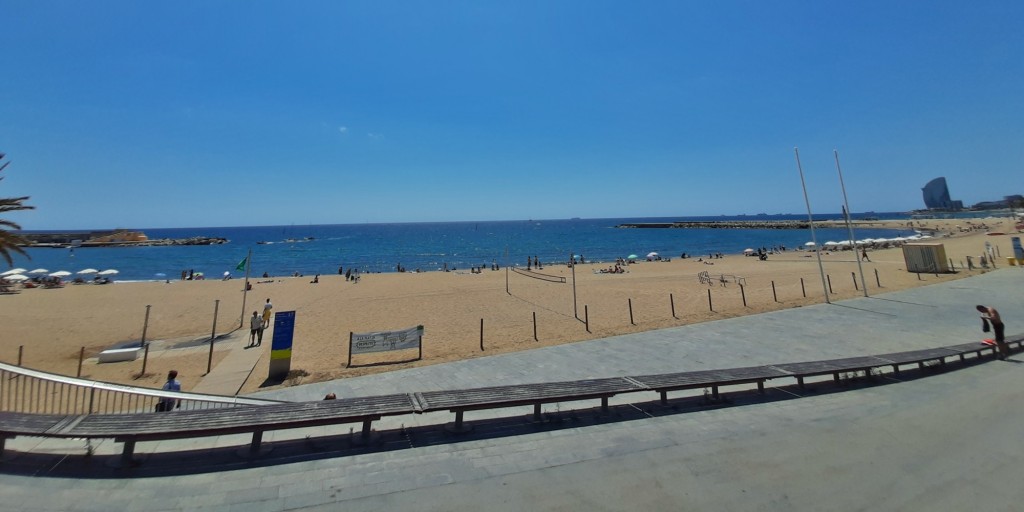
945,441
230,374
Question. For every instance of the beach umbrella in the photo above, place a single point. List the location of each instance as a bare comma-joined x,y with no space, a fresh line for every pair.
16,277
809,244
109,272
652,255
830,242
748,251
12,271
39,271
60,273
88,271
632,257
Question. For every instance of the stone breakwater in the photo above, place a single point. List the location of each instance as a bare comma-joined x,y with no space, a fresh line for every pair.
730,224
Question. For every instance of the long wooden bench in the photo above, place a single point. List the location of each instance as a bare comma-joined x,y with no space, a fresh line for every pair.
150,426
459,401
663,383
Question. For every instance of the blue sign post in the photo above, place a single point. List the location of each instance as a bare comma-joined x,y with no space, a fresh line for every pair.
281,344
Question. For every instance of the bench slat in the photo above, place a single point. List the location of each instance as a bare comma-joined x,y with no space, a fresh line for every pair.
917,356
811,368
507,396
242,419
701,378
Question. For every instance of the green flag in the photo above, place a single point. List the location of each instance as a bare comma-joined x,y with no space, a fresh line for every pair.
241,264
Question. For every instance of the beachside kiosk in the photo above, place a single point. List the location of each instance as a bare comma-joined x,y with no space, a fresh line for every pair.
281,344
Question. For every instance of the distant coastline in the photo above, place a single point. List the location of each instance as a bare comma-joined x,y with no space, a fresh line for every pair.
110,238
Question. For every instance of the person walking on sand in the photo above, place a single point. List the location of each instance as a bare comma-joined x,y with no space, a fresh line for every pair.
172,384
266,313
864,254
989,315
255,330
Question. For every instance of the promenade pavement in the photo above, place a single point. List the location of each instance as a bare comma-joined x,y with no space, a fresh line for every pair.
936,441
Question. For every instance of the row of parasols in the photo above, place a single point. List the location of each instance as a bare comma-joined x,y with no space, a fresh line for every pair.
19,274
871,242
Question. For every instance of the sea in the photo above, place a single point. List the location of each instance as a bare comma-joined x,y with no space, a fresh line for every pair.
427,246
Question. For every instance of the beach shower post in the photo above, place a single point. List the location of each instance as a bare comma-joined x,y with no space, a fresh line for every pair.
572,264
245,288
810,219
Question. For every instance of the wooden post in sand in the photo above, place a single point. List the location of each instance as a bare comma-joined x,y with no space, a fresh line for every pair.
672,304
854,276
213,335
774,295
709,301
535,326
481,335
81,356
879,283
145,325
145,358
586,317
829,279
21,349
802,289
631,312
744,295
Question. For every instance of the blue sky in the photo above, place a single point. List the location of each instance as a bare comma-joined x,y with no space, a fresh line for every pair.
176,114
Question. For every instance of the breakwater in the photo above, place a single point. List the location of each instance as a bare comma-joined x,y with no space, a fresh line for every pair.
725,224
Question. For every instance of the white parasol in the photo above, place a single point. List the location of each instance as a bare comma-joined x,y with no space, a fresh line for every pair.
17,278
39,271
108,272
12,271
60,273
88,271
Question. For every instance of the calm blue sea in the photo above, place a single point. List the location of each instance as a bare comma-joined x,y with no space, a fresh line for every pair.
321,249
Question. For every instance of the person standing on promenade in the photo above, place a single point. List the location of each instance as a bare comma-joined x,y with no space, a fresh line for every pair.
989,315
172,384
266,313
255,330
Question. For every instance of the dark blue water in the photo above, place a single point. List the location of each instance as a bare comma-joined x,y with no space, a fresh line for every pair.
425,246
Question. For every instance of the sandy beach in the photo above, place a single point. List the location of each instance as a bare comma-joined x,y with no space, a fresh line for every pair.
53,325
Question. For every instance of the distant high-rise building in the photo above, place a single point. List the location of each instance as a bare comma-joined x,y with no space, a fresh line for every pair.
936,195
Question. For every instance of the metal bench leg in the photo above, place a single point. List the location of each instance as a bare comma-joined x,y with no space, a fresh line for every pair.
962,358
126,455
800,382
835,376
760,386
366,429
257,439
664,398
537,413
458,427
896,369
3,442
604,409
714,392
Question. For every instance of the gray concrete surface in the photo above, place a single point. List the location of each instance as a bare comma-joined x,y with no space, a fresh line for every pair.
928,440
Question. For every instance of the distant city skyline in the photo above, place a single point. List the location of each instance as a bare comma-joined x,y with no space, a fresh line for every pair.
124,114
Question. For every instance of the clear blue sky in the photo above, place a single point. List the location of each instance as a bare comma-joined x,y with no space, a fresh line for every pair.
207,113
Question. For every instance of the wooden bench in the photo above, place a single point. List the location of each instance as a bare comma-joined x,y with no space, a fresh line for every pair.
459,401
663,383
918,357
976,348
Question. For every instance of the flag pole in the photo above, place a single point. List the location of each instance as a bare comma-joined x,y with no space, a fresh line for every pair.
245,289
810,219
